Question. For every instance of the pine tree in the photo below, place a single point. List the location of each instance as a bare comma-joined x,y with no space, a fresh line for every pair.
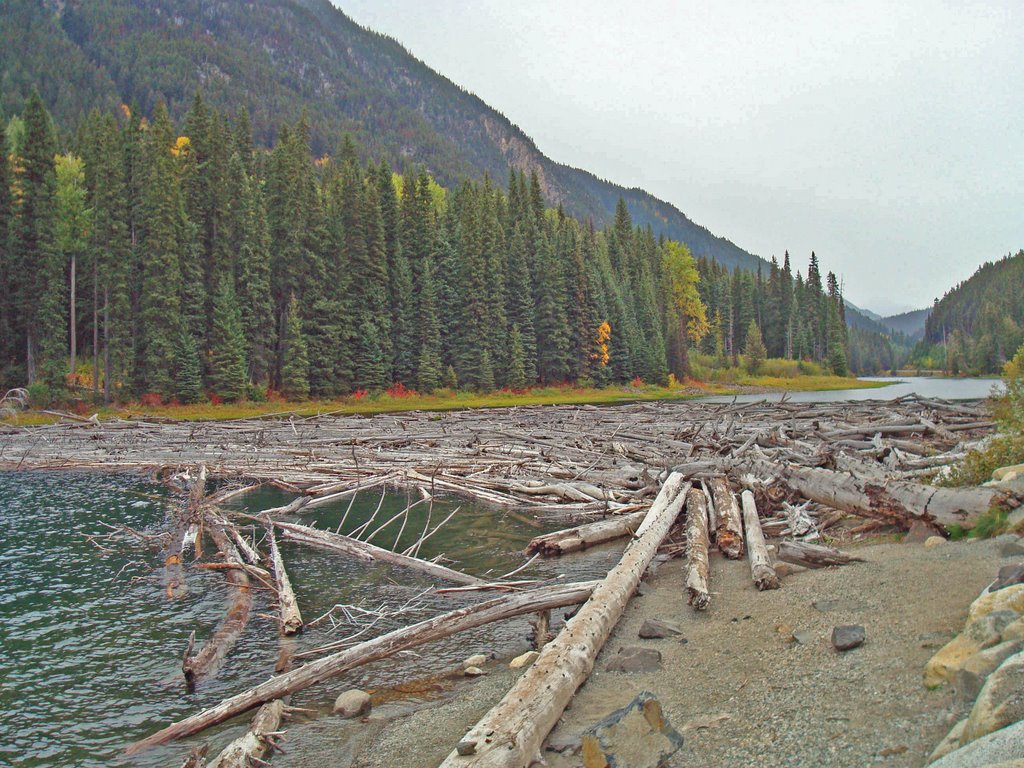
295,363
519,295
369,358
551,322
188,379
754,352
516,360
38,276
837,359
227,344
428,365
8,347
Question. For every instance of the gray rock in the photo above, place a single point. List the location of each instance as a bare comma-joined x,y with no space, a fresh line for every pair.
1009,545
919,531
1000,702
656,629
477,660
466,747
636,736
848,637
803,637
634,659
1009,575
999,747
352,703
473,672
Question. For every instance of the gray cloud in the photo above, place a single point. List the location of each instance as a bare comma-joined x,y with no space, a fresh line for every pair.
885,136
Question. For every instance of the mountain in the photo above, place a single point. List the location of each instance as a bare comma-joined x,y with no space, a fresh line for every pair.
277,58
910,324
978,325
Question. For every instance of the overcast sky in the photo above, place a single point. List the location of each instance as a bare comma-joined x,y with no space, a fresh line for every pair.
887,137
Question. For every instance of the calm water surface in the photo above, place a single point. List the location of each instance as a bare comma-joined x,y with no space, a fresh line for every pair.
92,647
947,389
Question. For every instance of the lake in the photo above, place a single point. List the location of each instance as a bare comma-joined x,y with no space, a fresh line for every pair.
928,387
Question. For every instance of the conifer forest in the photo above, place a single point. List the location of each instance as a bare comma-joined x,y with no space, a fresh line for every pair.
180,262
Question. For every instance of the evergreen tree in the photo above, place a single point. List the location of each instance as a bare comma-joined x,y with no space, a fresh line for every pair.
8,346
188,379
428,365
519,295
295,363
72,222
227,344
551,323
754,351
837,360
516,378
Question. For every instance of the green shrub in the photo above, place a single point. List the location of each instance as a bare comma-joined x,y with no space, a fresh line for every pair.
978,466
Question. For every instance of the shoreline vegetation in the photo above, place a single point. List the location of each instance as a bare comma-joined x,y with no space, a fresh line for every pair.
397,400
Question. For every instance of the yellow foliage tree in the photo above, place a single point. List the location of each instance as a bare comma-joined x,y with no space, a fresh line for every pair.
685,315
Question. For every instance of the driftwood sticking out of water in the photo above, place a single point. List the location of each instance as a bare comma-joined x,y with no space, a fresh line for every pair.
291,618
209,658
370,553
255,742
761,569
587,535
814,555
445,625
729,524
697,568
511,733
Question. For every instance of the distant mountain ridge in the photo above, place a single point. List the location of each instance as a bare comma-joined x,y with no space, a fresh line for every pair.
910,324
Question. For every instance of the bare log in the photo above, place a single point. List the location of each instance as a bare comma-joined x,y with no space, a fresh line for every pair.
209,658
255,742
445,625
761,569
697,550
370,552
729,528
895,502
583,536
814,555
291,618
511,733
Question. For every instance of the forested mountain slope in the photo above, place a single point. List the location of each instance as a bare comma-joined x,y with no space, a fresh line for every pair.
275,58
910,324
979,324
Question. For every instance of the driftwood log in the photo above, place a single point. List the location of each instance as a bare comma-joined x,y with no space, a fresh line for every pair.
761,569
249,748
814,555
697,565
587,535
291,618
445,625
511,733
729,524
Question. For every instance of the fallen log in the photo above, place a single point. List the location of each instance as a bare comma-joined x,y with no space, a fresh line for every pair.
896,502
254,743
761,569
814,555
697,550
511,733
583,536
445,625
209,658
370,552
729,526
291,618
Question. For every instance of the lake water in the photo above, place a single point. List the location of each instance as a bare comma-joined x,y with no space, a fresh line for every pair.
92,646
929,387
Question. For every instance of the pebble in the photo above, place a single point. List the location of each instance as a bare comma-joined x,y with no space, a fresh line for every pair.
848,636
656,629
472,671
524,660
933,541
352,703
477,660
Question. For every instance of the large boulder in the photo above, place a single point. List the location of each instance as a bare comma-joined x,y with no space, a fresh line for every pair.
1001,701
979,634
1009,598
996,749
972,675
636,736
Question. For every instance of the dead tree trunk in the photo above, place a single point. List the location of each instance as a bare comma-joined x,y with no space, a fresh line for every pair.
697,549
445,625
291,619
583,536
814,555
761,569
511,733
729,528
254,743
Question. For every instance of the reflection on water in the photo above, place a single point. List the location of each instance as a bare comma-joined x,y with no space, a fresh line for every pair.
92,647
928,387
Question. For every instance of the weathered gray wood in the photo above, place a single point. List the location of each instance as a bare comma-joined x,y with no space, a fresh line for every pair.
814,555
510,734
445,625
587,535
729,524
291,617
698,567
761,569
255,742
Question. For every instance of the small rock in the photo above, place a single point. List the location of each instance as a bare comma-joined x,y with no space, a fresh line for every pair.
802,637
634,659
919,533
656,629
477,660
466,747
1010,545
933,541
473,672
637,736
706,721
787,569
523,660
847,637
352,703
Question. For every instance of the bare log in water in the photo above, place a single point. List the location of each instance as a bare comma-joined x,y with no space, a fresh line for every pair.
511,733
445,625
587,535
251,746
291,618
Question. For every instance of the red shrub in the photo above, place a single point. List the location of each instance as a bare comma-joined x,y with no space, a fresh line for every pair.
215,399
399,390
151,399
